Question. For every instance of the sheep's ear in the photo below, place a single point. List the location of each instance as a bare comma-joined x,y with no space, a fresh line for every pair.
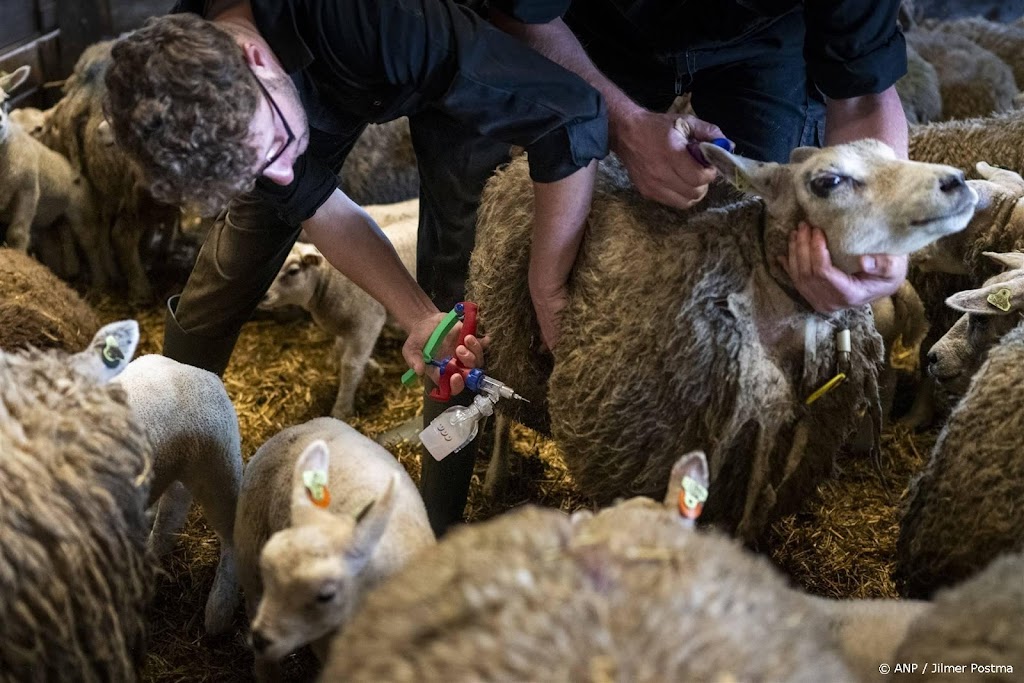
310,479
756,177
1011,260
998,299
370,525
1004,177
688,486
312,258
109,352
802,154
10,82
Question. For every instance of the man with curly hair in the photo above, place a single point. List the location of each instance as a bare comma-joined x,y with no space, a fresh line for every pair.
254,104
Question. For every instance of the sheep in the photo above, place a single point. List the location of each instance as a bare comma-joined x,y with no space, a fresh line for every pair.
76,128
957,262
919,90
977,624
962,509
628,594
1006,41
381,168
38,310
995,139
681,329
340,307
30,119
324,515
901,321
192,425
75,576
972,80
38,187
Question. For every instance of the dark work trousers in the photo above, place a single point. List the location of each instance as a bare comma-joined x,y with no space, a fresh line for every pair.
755,89
244,252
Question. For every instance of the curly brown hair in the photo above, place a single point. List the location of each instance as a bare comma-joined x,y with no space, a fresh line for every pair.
180,99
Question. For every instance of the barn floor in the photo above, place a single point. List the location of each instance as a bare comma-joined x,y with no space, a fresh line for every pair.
841,544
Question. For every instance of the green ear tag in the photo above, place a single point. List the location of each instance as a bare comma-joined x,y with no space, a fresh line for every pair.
694,491
111,353
315,482
1000,299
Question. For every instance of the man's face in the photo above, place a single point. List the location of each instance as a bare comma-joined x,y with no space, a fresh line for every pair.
279,129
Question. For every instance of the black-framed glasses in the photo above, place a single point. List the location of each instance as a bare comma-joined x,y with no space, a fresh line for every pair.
287,129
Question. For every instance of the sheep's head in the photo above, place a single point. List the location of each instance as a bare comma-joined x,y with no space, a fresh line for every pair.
311,571
989,313
8,84
860,195
297,280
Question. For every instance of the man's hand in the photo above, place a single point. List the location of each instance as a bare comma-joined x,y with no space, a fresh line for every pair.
828,289
471,354
654,152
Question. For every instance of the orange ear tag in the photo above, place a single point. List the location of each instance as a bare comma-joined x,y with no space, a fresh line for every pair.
315,482
691,498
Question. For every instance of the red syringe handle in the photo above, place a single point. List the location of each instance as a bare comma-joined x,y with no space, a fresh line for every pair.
443,391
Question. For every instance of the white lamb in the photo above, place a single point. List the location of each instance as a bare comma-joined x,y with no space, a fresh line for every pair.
324,515
339,306
38,187
197,452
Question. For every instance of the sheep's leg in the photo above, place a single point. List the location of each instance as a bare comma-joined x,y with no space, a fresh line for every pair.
922,412
172,511
85,227
126,236
23,210
70,266
496,480
354,354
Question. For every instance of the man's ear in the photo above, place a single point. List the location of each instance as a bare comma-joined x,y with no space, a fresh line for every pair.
258,58
756,177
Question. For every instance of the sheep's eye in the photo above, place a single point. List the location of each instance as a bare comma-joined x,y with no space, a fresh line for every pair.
325,596
978,323
824,184
293,270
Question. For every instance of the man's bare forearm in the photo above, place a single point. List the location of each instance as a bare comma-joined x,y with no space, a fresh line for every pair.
350,240
871,116
560,215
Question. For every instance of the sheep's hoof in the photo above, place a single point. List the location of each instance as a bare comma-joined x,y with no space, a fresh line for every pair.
223,598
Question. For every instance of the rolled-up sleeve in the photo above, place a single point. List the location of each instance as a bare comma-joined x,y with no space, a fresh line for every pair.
495,85
854,47
312,184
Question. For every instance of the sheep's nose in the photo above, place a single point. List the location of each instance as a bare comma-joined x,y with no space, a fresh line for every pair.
933,358
953,182
259,642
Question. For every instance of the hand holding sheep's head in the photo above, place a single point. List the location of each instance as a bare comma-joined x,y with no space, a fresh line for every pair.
864,199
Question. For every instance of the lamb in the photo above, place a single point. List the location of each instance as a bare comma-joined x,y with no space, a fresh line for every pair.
324,515
197,451
963,509
127,213
38,187
900,320
978,623
628,594
75,576
339,306
30,119
722,343
38,310
972,80
381,168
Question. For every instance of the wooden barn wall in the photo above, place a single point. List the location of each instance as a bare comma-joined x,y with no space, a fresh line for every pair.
49,35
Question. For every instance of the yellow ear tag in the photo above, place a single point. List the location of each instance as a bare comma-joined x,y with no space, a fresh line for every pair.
826,387
691,498
1000,299
742,183
315,482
